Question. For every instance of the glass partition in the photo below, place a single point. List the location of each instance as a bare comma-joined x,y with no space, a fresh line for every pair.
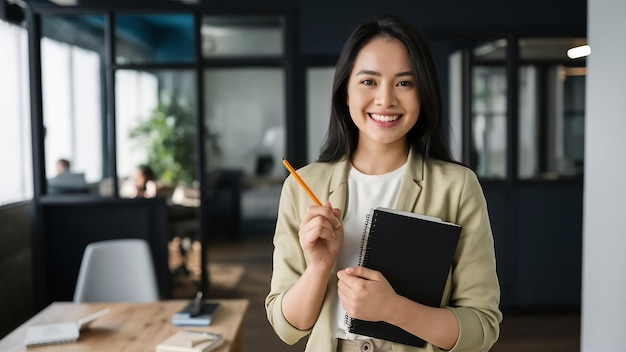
155,86
15,134
154,38
572,157
552,109
72,50
489,110
156,155
319,92
244,146
155,127
242,37
489,120
245,114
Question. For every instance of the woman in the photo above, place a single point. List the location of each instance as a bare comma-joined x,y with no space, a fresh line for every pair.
145,182
383,148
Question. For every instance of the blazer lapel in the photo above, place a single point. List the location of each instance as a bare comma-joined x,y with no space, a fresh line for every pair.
410,187
339,186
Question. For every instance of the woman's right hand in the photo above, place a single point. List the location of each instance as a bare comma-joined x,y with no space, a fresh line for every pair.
321,235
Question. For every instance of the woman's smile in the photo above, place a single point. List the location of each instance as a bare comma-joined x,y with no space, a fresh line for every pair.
384,117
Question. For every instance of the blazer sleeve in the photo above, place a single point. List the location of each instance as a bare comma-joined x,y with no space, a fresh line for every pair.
475,297
288,262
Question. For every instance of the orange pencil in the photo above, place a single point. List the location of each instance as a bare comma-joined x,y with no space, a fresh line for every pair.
297,177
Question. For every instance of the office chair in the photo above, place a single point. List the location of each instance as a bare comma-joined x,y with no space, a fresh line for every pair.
117,271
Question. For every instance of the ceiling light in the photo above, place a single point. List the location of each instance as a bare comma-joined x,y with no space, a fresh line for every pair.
579,51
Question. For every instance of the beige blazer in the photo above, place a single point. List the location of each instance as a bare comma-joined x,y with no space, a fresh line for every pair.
441,189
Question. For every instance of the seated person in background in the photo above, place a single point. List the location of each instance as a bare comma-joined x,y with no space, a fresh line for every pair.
142,184
66,181
63,166
145,182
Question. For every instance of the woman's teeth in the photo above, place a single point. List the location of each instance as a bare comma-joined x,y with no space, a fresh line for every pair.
384,118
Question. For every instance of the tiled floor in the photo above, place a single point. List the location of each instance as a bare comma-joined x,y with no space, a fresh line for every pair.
242,269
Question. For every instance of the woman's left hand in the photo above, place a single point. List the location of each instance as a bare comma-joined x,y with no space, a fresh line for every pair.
365,294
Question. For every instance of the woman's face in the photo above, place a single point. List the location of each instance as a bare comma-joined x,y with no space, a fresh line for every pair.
140,179
382,93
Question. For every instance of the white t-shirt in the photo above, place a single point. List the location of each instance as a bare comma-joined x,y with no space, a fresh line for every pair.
364,193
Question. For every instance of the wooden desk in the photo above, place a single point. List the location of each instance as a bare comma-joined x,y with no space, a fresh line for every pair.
131,327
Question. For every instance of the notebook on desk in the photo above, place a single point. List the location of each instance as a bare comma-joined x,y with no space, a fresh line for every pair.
55,333
191,341
202,318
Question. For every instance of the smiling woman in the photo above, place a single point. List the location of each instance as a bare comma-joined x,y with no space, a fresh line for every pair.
382,95
383,149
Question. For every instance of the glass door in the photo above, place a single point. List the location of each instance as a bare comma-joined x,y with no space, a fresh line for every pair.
245,117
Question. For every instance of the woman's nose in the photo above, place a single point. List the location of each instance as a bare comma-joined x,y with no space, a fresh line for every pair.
385,96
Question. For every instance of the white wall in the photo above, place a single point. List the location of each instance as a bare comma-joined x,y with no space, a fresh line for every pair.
604,236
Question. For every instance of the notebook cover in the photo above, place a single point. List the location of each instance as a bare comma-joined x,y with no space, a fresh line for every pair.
48,334
184,318
54,333
415,256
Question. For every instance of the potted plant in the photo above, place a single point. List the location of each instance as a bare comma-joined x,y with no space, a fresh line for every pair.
169,136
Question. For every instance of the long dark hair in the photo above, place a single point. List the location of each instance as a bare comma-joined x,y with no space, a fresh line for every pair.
147,172
426,136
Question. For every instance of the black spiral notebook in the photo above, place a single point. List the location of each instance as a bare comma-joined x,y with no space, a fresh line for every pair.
414,252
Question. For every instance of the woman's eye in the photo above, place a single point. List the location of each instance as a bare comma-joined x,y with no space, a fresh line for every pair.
367,82
405,84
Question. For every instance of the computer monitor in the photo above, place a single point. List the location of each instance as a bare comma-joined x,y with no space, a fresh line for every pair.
68,182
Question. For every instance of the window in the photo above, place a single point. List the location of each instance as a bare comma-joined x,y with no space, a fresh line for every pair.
154,38
72,97
489,120
155,115
551,109
136,98
16,180
319,92
72,112
487,89
245,116
550,115
241,37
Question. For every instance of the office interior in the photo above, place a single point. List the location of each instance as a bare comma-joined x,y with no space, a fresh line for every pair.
213,94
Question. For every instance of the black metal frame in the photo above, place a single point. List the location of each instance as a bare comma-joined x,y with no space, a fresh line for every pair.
296,147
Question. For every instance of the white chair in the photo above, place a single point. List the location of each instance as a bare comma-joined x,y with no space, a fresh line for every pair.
117,271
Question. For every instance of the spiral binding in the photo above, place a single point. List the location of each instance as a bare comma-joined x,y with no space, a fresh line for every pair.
366,236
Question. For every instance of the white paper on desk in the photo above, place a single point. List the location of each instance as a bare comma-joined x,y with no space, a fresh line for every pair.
47,334
190,341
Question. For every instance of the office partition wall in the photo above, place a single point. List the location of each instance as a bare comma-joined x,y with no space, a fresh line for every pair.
119,88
